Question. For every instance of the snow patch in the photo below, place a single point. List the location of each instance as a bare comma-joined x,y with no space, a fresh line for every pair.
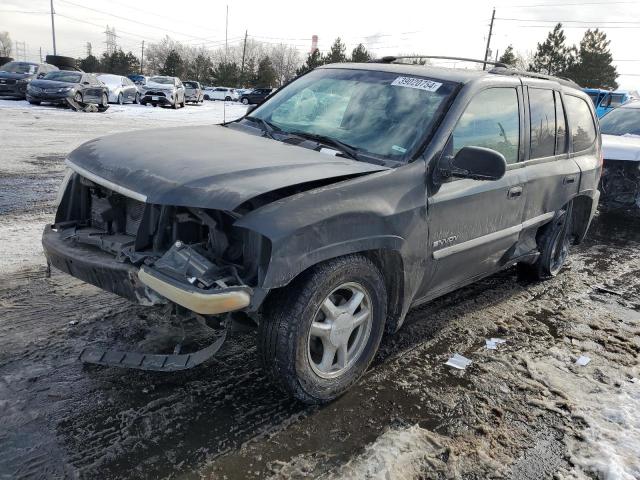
20,245
399,454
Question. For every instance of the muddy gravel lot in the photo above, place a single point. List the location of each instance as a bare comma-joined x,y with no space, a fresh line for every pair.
525,410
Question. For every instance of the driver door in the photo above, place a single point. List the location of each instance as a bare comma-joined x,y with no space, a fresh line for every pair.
474,225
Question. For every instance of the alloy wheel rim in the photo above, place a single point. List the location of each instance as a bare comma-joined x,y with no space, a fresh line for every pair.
559,253
340,330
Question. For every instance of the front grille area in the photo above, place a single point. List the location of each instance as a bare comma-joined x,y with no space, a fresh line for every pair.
7,81
155,93
115,213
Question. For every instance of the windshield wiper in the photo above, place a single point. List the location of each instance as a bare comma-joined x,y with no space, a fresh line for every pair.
267,127
345,149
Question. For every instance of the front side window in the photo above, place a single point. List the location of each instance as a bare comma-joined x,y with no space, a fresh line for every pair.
491,120
382,114
583,129
542,114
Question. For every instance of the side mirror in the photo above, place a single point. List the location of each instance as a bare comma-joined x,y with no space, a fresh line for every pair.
477,163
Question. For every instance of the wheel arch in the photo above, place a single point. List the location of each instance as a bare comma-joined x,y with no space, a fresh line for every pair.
584,207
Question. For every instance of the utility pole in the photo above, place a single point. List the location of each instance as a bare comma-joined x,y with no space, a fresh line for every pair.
142,59
486,51
244,49
40,54
53,28
226,36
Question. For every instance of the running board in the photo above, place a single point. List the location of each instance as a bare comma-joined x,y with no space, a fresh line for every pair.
151,361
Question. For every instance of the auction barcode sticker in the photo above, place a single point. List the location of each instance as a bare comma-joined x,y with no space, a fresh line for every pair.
419,83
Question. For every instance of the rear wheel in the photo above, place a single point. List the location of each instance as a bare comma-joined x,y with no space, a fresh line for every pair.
245,101
319,335
137,99
120,99
105,100
553,242
227,99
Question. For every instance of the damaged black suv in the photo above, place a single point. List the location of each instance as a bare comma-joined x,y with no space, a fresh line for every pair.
351,195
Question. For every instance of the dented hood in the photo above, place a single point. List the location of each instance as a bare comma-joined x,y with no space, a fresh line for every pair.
621,147
206,166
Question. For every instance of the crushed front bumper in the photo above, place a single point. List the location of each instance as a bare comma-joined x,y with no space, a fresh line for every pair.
144,285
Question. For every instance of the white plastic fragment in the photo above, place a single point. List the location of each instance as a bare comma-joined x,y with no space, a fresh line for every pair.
458,361
582,360
492,343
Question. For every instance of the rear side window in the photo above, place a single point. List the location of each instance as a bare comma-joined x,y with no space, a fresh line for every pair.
583,129
491,120
543,123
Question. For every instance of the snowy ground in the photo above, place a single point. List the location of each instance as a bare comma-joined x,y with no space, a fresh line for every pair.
524,411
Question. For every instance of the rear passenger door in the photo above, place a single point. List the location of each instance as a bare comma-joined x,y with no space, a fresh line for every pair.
553,177
474,225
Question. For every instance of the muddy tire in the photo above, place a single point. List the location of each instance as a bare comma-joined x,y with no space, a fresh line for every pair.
553,242
319,334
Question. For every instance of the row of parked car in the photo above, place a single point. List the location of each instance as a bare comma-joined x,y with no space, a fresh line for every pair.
46,83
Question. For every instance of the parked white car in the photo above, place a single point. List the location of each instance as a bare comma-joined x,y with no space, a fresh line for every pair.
121,89
620,183
220,93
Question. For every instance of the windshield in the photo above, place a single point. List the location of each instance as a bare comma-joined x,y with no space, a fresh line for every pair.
60,76
621,121
163,80
378,113
190,84
19,67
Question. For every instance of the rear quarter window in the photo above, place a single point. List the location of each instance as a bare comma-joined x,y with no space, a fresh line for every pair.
581,122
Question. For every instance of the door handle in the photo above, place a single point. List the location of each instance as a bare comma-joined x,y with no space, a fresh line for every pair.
515,192
569,179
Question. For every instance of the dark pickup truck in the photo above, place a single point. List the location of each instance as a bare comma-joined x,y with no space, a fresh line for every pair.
351,195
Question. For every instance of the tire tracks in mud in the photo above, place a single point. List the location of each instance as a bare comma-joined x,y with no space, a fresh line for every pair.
224,419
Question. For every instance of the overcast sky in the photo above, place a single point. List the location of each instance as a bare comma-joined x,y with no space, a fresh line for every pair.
453,27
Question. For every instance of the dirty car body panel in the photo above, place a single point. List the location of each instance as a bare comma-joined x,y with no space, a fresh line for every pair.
270,202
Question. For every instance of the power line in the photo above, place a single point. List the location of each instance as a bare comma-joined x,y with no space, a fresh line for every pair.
131,21
545,5
567,21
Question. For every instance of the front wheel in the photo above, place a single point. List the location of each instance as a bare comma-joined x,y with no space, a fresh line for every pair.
245,101
120,99
137,99
78,97
318,335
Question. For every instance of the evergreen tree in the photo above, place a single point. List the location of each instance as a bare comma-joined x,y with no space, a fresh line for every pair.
594,63
337,54
266,75
552,57
173,65
360,54
508,57
89,64
200,69
314,60
227,73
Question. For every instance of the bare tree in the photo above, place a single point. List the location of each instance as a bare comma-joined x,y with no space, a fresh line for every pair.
5,44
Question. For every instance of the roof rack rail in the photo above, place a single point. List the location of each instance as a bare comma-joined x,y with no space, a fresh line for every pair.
513,71
391,59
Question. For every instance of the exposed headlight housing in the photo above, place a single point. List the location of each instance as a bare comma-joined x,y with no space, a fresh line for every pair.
65,89
63,186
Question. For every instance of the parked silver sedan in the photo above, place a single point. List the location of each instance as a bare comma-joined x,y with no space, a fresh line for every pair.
193,92
121,89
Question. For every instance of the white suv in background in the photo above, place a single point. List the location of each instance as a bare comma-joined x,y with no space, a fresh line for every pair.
220,93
